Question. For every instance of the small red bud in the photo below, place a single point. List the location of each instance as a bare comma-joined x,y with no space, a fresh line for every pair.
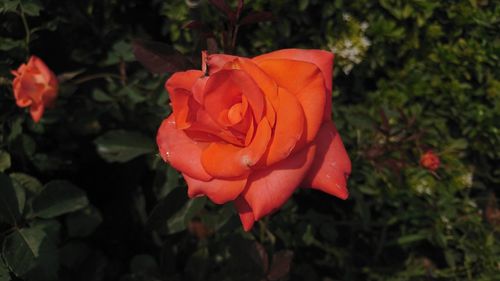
430,160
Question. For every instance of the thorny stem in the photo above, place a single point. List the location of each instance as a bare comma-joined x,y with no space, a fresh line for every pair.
26,29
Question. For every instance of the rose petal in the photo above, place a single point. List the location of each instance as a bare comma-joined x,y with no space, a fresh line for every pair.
179,87
217,62
226,87
332,166
322,59
265,83
36,111
42,68
180,151
207,130
218,190
29,89
199,88
246,215
267,189
288,129
224,160
50,97
306,82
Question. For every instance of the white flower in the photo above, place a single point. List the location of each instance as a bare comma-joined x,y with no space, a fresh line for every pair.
346,16
365,42
466,179
364,26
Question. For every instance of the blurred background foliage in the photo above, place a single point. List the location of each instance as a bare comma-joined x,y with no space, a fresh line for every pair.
84,195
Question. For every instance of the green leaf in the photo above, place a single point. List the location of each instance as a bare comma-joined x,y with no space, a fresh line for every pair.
51,227
83,222
411,238
143,264
28,144
57,198
22,248
12,200
16,129
31,7
216,220
303,5
4,271
167,178
7,44
47,263
32,253
167,207
9,6
123,146
180,220
29,183
101,96
121,51
4,160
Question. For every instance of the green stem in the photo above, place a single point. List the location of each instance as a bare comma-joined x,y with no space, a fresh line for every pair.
233,39
96,76
26,29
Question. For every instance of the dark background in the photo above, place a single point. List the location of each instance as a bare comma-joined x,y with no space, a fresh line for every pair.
410,76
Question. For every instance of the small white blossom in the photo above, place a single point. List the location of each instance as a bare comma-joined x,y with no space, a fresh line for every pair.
466,179
364,26
346,16
365,41
424,187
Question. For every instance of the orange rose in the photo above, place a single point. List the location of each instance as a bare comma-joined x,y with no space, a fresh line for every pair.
253,130
430,161
34,85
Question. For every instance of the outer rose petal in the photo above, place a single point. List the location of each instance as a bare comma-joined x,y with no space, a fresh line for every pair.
332,166
179,87
306,82
322,59
246,215
36,111
28,88
267,189
180,151
216,62
288,129
218,190
39,65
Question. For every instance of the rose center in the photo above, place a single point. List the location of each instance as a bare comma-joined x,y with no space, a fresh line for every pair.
235,114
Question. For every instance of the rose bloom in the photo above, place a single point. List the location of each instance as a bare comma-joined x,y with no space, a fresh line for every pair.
253,130
430,161
35,86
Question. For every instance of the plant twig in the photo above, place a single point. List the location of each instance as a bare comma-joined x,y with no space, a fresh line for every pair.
26,29
96,76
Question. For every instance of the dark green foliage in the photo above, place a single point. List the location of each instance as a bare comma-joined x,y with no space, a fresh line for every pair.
84,195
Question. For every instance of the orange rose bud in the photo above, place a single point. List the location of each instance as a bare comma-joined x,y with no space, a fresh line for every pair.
430,160
35,86
252,130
